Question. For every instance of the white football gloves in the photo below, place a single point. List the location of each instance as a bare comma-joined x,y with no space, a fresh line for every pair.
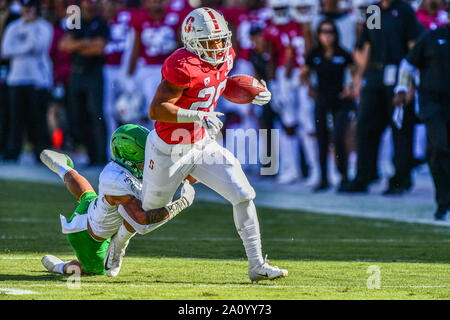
263,97
212,123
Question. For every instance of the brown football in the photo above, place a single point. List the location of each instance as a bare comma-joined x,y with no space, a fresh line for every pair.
242,89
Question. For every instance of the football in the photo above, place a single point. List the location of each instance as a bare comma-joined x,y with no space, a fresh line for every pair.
242,88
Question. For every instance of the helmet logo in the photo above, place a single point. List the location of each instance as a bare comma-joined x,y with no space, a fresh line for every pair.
188,25
214,20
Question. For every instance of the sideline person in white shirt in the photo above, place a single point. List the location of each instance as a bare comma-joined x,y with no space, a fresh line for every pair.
27,44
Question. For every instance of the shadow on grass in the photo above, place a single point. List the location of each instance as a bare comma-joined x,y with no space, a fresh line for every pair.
42,276
93,279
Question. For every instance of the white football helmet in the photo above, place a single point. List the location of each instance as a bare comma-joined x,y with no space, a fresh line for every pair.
360,8
205,24
303,11
279,10
129,106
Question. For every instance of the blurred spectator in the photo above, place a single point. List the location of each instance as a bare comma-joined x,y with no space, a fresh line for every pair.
156,35
303,12
86,46
58,118
278,35
432,14
344,20
431,56
359,11
379,53
15,7
27,43
330,63
6,17
117,52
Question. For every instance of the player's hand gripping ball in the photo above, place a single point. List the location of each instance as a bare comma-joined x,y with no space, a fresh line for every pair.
244,89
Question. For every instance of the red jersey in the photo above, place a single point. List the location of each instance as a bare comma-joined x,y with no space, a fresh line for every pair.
440,19
205,84
286,36
119,28
256,18
158,37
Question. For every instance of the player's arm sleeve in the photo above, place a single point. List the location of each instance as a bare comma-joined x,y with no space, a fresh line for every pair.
176,72
161,215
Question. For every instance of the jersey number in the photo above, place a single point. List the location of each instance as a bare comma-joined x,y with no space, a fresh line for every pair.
213,95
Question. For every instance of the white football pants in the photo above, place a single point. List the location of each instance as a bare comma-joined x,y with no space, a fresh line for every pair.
210,164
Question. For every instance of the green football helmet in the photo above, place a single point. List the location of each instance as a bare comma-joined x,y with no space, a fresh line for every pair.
128,147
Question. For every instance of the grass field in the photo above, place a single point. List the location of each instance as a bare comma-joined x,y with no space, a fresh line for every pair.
199,255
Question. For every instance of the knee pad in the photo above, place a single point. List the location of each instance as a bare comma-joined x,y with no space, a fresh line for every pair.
244,193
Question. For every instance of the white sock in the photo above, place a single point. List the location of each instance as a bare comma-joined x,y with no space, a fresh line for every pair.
122,236
247,225
60,267
62,170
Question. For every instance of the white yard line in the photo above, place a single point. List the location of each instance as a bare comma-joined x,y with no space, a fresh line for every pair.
16,291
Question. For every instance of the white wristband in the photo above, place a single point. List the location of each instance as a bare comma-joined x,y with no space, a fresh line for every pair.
185,116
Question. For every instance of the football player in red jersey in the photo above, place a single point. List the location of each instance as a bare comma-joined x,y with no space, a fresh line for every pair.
182,143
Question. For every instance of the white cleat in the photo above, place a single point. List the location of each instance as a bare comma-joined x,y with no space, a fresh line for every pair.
54,160
266,272
51,263
113,259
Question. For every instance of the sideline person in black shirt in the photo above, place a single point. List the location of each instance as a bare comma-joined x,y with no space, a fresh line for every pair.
431,55
330,62
86,45
378,54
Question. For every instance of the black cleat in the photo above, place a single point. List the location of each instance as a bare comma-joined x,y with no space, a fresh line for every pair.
356,187
324,185
440,214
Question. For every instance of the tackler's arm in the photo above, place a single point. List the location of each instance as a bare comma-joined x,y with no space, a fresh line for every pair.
145,221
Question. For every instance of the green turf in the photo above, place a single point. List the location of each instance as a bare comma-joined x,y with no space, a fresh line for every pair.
199,255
